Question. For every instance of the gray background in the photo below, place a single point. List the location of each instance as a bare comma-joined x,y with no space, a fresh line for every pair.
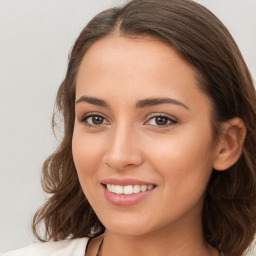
35,39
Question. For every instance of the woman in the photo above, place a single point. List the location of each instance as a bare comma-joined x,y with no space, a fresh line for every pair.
157,156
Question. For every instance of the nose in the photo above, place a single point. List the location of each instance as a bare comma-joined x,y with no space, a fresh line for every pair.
123,150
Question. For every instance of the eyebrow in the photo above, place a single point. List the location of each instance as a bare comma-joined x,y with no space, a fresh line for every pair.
157,101
140,104
92,100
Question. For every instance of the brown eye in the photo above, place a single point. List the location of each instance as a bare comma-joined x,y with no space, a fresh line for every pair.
94,120
161,121
97,120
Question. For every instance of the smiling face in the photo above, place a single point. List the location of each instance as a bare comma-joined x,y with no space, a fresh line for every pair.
142,123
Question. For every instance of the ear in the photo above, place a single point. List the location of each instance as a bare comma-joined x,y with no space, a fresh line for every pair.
230,144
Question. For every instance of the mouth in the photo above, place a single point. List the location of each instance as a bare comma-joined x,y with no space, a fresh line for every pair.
128,189
126,192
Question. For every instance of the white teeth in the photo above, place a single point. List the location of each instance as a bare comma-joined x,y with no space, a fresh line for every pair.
150,187
129,189
109,187
143,188
119,189
136,189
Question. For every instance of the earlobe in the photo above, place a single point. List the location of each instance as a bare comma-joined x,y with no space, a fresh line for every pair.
230,144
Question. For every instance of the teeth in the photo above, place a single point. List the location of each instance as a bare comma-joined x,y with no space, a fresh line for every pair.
143,188
128,190
150,187
136,189
119,189
109,187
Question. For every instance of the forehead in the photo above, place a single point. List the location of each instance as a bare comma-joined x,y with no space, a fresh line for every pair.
130,52
119,67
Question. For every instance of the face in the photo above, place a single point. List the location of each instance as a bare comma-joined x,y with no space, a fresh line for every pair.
142,142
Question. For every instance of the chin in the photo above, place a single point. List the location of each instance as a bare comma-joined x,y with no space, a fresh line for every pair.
128,230
127,226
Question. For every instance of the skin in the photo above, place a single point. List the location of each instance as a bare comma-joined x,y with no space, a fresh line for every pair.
127,142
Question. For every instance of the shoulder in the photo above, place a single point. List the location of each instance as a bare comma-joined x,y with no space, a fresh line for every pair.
61,248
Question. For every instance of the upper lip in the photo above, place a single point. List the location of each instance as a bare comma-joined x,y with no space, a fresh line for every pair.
125,182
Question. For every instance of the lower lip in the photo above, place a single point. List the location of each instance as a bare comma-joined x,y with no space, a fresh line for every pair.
126,200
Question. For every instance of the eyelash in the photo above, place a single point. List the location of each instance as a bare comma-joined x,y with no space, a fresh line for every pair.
170,120
85,118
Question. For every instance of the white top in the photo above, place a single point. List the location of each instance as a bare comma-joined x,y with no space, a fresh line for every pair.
74,247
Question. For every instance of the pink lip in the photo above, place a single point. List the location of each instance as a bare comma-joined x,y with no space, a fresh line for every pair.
124,182
125,200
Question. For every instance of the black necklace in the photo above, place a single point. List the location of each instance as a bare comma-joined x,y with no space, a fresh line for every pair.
99,249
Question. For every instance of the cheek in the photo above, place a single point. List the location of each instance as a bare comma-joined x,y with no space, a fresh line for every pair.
87,158
185,164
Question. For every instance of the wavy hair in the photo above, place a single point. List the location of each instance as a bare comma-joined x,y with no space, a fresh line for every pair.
203,41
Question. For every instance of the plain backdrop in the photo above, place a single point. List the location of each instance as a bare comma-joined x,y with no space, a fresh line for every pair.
35,39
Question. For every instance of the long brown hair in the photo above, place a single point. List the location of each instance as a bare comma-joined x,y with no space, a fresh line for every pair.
204,42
